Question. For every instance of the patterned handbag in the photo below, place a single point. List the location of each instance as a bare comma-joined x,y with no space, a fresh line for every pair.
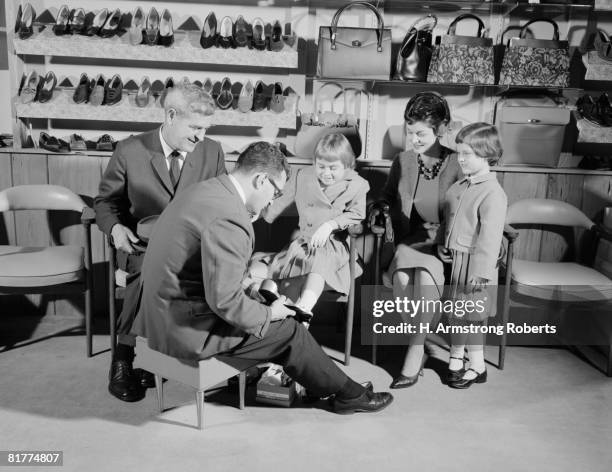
540,62
462,59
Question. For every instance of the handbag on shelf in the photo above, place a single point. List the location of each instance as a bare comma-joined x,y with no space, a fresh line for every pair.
415,52
347,52
539,62
315,126
460,59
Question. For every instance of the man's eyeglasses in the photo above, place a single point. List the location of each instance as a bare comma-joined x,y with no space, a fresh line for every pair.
277,191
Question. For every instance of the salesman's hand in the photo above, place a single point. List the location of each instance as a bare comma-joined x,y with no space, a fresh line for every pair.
123,238
279,310
321,235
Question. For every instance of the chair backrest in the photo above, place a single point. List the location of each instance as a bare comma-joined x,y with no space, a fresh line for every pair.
40,197
543,211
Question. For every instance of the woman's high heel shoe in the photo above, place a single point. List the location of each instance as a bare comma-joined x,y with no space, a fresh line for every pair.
405,381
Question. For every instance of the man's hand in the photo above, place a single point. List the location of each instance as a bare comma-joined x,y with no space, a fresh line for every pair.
321,235
444,254
279,310
123,238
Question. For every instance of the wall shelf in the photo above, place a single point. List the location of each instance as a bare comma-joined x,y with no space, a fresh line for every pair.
186,49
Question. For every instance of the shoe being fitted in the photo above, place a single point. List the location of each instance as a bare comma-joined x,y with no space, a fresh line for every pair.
367,402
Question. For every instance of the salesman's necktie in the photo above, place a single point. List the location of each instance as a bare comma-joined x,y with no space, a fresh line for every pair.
175,169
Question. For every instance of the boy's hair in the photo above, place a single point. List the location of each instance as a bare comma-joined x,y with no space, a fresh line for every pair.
430,107
333,147
262,157
483,138
186,97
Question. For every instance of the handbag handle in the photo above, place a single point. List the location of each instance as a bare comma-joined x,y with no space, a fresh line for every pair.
537,20
336,18
316,97
465,16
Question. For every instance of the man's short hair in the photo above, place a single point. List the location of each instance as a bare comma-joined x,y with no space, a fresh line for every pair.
186,97
263,157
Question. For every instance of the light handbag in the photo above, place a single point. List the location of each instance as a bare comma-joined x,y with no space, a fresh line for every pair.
540,62
315,126
462,59
415,52
345,52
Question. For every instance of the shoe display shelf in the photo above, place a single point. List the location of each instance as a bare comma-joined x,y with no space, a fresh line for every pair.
63,107
186,48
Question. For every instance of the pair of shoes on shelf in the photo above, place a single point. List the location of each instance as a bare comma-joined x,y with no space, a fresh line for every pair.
36,88
71,21
104,92
597,112
368,402
222,94
104,24
53,144
106,143
156,29
461,383
24,24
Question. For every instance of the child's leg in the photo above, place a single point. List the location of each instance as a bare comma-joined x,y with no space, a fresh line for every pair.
477,362
311,291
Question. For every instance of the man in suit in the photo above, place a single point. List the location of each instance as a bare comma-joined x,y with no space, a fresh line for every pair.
144,174
194,303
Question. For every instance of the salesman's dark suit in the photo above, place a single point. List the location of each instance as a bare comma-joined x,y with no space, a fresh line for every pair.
193,305
136,184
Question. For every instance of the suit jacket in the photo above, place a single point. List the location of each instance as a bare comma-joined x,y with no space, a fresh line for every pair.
136,183
401,184
475,215
193,305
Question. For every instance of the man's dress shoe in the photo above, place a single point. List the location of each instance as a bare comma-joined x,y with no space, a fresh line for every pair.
145,378
367,402
123,382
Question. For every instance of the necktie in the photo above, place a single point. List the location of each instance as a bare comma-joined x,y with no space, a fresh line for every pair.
175,170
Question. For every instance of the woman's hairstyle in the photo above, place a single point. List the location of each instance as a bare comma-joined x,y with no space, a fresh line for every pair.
333,147
430,107
484,140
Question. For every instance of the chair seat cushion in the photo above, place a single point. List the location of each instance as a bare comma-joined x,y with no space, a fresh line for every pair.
40,266
564,281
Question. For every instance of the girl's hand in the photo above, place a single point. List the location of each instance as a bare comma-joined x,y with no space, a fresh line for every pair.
444,254
321,235
478,283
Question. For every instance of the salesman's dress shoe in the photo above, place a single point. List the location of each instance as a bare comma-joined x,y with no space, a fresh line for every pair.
145,378
367,402
123,382
481,377
405,381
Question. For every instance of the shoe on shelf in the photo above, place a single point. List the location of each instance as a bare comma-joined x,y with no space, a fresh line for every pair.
604,108
208,38
481,377
25,20
152,27
18,18
105,143
113,90
289,36
144,93
276,37
137,27
97,23
290,99
260,100
167,85
77,143
61,22
30,87
276,101
259,38
76,21
96,97
603,45
245,99
236,90
82,90
50,143
225,38
123,382
241,32
207,86
225,97
367,402
111,25
455,375
166,32
47,86
588,109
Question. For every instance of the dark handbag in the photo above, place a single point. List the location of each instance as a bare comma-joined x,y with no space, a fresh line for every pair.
415,53
540,62
321,123
345,52
462,59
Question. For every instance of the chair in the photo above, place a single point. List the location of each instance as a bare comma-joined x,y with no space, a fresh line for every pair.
50,269
199,375
559,282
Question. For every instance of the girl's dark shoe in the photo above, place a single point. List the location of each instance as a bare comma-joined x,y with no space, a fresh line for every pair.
111,25
166,32
47,86
276,38
226,38
208,38
76,22
97,23
259,38
137,26
152,27
25,28
466,383
455,375
241,32
61,21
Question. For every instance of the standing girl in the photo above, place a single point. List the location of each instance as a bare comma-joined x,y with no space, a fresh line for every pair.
476,212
